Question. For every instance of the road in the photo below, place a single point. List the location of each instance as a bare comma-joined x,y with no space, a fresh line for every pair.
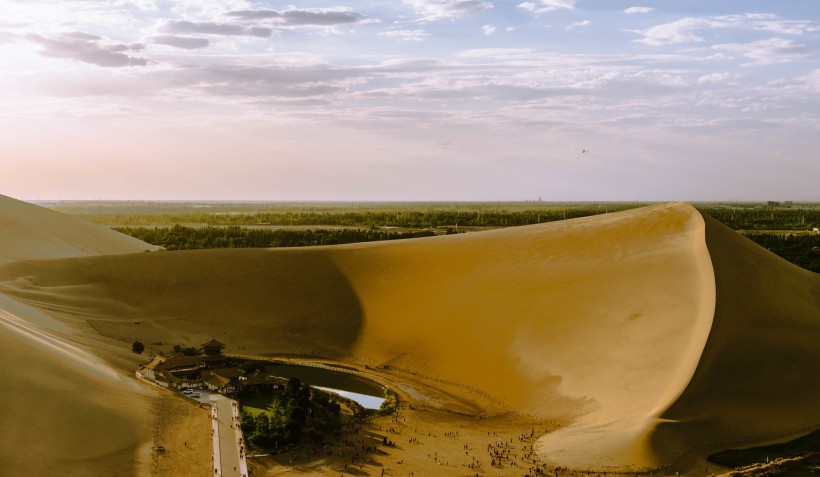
229,456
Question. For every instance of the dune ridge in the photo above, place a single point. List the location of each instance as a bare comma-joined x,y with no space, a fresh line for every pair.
631,327
30,232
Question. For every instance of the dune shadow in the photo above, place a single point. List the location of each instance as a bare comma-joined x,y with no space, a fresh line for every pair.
296,297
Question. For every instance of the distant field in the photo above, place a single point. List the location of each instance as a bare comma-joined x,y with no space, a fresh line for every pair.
789,232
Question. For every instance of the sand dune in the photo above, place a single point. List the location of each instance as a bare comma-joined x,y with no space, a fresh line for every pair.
64,409
657,334
30,232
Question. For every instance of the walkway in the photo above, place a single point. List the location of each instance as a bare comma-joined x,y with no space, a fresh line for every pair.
229,448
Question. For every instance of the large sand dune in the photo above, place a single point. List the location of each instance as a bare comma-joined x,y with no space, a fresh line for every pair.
31,232
657,334
64,409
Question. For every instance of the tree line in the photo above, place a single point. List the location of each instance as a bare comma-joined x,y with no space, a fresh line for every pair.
802,250
401,218
180,237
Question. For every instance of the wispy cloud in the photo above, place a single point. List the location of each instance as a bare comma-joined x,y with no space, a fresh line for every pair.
680,31
88,48
182,42
634,10
488,29
431,10
765,22
304,16
409,35
716,78
544,6
211,28
689,30
763,52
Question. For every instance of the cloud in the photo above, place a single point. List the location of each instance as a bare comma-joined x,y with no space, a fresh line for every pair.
306,17
183,42
547,5
410,35
812,81
488,29
88,48
765,22
715,78
634,10
442,9
681,31
584,23
210,28
497,53
763,52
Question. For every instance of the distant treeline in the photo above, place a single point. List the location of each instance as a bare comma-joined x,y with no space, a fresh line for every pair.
758,218
408,219
179,237
738,218
802,250
227,229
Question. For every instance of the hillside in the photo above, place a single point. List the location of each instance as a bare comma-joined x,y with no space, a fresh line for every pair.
650,332
34,233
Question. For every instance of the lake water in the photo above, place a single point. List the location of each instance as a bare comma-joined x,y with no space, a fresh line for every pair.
367,402
365,392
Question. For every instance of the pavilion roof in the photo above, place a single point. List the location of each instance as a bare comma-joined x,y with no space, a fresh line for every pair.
213,343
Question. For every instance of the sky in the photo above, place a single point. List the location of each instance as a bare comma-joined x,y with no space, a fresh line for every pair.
410,100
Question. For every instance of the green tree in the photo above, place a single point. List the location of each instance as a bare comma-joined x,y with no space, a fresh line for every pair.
137,347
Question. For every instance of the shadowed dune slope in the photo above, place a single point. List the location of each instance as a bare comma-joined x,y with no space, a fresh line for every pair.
611,321
30,232
757,378
256,300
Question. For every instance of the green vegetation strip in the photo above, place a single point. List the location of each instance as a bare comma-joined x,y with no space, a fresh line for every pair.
786,229
191,238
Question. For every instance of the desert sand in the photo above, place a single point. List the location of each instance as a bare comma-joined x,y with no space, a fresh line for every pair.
630,341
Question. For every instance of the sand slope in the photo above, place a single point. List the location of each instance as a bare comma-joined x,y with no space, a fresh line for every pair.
31,232
636,326
64,409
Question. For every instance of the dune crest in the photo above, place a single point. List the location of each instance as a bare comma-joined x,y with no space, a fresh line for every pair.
602,319
30,232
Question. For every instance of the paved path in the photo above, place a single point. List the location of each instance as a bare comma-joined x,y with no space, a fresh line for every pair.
229,448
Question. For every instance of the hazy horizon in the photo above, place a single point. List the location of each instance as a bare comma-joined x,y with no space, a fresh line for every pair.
413,100
409,202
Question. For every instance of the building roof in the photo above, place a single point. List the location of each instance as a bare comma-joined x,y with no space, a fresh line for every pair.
167,377
154,363
213,343
224,372
218,381
255,381
179,361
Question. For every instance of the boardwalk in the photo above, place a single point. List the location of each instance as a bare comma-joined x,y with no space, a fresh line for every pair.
229,455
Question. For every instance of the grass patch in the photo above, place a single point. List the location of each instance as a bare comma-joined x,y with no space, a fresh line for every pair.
256,405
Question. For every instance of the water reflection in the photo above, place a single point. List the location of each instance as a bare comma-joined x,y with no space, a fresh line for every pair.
367,402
